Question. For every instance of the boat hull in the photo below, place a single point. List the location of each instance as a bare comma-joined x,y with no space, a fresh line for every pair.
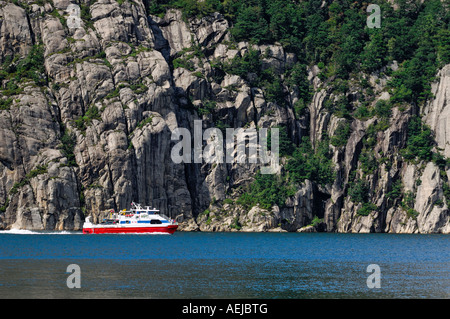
170,229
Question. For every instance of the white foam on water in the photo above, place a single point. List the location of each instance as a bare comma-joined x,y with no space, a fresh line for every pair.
35,232
142,234
65,232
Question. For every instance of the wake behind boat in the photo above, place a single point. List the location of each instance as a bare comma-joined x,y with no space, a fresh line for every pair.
135,220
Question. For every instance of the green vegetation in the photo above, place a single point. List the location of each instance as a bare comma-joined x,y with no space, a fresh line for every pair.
5,104
286,147
408,205
56,14
303,162
382,109
332,35
359,191
67,146
84,121
145,122
266,190
5,206
228,201
273,89
236,224
368,161
314,165
184,58
85,13
32,66
16,70
113,94
297,77
419,143
396,190
341,134
446,189
403,199
316,221
99,55
421,52
245,65
40,169
190,8
183,62
207,107
336,38
138,88
443,164
366,209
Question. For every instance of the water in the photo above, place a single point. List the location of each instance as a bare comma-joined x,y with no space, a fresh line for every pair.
224,265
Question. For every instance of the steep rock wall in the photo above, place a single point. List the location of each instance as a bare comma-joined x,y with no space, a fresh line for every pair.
147,76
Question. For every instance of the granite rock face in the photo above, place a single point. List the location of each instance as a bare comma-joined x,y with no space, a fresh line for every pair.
98,134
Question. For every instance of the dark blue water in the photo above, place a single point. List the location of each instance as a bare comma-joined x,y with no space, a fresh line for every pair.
224,265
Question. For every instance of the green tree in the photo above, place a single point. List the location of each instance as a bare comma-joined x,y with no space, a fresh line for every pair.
307,163
419,143
375,52
341,134
359,191
251,25
266,190
298,77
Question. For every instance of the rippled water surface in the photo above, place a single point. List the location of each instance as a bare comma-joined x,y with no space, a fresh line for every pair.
224,265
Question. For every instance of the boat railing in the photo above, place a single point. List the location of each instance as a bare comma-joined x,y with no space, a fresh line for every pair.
137,209
165,217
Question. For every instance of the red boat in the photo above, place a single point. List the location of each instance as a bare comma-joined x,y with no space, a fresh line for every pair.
135,220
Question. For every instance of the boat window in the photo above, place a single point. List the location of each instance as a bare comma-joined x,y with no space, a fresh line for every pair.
155,221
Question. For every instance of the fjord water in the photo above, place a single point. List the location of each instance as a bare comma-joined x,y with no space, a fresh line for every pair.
224,265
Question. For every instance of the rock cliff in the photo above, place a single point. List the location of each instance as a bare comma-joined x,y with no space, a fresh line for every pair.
92,130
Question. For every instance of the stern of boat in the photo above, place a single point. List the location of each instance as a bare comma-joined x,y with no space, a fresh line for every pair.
87,226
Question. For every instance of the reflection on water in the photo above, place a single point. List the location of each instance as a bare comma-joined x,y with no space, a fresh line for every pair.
225,265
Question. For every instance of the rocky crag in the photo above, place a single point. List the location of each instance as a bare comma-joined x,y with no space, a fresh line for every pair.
89,129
